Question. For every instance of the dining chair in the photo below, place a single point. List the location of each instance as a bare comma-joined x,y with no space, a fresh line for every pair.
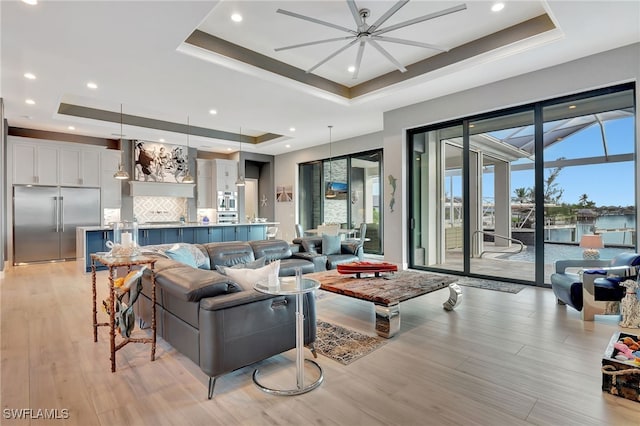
299,231
271,232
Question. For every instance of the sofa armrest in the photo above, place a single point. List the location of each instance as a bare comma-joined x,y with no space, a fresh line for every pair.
225,301
319,260
562,265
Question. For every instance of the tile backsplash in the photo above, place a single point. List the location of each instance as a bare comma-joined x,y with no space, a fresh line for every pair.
159,209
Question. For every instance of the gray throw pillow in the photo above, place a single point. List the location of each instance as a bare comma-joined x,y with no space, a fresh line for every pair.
331,244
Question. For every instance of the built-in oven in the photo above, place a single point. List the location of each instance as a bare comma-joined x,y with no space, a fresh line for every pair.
227,217
227,201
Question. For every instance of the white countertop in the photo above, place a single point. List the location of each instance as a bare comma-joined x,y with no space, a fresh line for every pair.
186,225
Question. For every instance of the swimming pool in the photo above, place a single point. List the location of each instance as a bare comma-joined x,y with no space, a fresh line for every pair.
553,252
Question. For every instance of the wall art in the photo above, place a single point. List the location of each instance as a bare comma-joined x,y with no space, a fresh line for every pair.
159,162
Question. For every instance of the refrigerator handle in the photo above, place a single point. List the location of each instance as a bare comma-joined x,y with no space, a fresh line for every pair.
57,213
62,213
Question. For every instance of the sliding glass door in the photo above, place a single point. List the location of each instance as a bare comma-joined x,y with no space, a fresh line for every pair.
344,190
506,194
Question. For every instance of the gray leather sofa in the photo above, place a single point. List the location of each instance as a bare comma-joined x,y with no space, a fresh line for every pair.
310,249
210,319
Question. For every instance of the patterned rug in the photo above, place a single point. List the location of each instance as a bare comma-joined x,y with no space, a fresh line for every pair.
490,285
344,345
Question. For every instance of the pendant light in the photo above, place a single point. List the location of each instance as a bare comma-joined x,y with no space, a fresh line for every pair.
188,178
240,180
121,174
330,193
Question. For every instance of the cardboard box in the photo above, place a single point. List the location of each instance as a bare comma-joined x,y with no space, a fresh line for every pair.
620,378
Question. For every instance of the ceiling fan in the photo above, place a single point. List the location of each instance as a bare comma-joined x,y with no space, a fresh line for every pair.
370,34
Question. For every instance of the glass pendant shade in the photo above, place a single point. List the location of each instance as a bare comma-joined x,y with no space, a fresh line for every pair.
187,177
330,193
240,180
121,173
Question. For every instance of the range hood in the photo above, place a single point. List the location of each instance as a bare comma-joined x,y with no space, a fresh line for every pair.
161,189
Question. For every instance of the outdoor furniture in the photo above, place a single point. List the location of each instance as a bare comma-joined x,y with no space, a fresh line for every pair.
594,284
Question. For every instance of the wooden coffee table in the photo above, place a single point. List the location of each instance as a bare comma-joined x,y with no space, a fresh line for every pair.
386,292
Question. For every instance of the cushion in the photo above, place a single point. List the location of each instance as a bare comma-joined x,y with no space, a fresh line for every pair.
255,264
310,246
351,247
182,255
331,244
247,278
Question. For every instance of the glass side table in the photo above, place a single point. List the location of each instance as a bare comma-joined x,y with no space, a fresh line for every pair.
286,287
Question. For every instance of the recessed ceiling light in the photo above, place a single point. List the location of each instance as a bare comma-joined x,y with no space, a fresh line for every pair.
287,146
213,112
572,106
351,68
92,85
161,140
228,149
292,129
29,75
30,2
497,7
236,17
71,128
30,101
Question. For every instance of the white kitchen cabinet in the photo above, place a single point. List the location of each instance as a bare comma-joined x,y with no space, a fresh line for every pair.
110,188
35,164
79,167
226,174
90,168
55,163
205,189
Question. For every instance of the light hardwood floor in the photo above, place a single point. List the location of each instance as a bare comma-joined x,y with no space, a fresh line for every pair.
498,359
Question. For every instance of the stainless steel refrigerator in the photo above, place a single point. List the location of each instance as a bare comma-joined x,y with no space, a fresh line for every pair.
45,220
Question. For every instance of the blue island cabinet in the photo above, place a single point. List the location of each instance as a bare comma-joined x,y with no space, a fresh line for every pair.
178,235
257,232
149,237
96,241
208,235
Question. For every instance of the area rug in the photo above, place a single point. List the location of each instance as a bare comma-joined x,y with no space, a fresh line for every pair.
344,345
490,285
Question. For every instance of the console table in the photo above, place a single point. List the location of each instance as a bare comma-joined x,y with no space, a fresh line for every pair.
112,263
288,286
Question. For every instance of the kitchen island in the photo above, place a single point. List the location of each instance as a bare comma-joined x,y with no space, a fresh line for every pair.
92,239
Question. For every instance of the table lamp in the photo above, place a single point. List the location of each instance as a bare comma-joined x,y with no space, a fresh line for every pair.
591,244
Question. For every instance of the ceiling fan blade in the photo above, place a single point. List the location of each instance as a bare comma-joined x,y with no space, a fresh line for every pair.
387,55
422,18
315,21
348,45
359,58
396,7
311,43
356,13
411,43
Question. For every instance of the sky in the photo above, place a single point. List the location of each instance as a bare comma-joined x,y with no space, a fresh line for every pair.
607,184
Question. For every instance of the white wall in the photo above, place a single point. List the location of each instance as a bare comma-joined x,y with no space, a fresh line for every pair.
596,71
286,173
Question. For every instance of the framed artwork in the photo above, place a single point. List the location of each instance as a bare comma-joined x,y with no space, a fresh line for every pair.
339,188
159,162
284,193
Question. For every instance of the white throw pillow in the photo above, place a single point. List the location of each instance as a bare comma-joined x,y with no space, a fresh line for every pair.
247,278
